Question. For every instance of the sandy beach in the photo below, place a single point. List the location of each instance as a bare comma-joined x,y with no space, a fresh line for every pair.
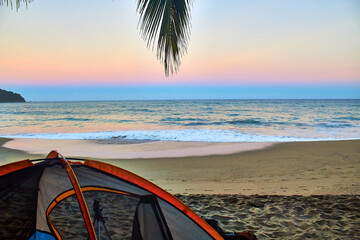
247,111
294,168
288,190
282,217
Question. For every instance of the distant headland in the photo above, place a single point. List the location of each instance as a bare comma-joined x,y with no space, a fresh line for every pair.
8,96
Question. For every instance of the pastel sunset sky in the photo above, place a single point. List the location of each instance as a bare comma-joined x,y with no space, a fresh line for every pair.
238,49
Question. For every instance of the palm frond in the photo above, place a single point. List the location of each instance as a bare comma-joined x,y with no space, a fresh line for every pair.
17,2
170,21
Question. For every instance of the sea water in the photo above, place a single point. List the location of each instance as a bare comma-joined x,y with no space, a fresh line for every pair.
184,120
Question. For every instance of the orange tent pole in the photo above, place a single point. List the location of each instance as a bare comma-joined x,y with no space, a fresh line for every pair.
79,194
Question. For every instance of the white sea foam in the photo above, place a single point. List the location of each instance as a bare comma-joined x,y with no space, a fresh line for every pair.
199,135
198,120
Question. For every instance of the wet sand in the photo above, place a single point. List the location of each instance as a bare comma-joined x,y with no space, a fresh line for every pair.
8,155
120,149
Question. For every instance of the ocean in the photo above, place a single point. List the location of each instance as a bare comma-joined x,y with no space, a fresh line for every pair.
184,120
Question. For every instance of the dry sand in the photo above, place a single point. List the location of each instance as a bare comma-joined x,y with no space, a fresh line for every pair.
306,190
282,217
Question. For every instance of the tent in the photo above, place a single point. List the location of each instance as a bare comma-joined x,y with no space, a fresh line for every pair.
59,198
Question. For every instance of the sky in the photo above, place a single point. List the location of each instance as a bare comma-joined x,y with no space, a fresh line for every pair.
93,50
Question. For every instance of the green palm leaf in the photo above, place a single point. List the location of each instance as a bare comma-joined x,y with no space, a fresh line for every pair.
166,20
170,21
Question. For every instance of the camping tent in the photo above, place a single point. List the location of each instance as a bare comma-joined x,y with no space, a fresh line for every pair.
55,198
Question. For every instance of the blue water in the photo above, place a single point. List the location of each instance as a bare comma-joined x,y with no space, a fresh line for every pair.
184,120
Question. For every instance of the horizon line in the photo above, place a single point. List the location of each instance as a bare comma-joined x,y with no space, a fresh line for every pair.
188,99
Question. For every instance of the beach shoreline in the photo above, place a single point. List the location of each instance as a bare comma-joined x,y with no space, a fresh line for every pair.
291,168
113,149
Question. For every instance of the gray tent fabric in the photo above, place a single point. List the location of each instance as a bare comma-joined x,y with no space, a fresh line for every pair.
135,209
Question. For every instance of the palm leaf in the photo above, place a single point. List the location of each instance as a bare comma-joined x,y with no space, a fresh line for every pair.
167,19
17,2
170,21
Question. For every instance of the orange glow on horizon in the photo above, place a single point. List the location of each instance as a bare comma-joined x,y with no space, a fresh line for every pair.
99,44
